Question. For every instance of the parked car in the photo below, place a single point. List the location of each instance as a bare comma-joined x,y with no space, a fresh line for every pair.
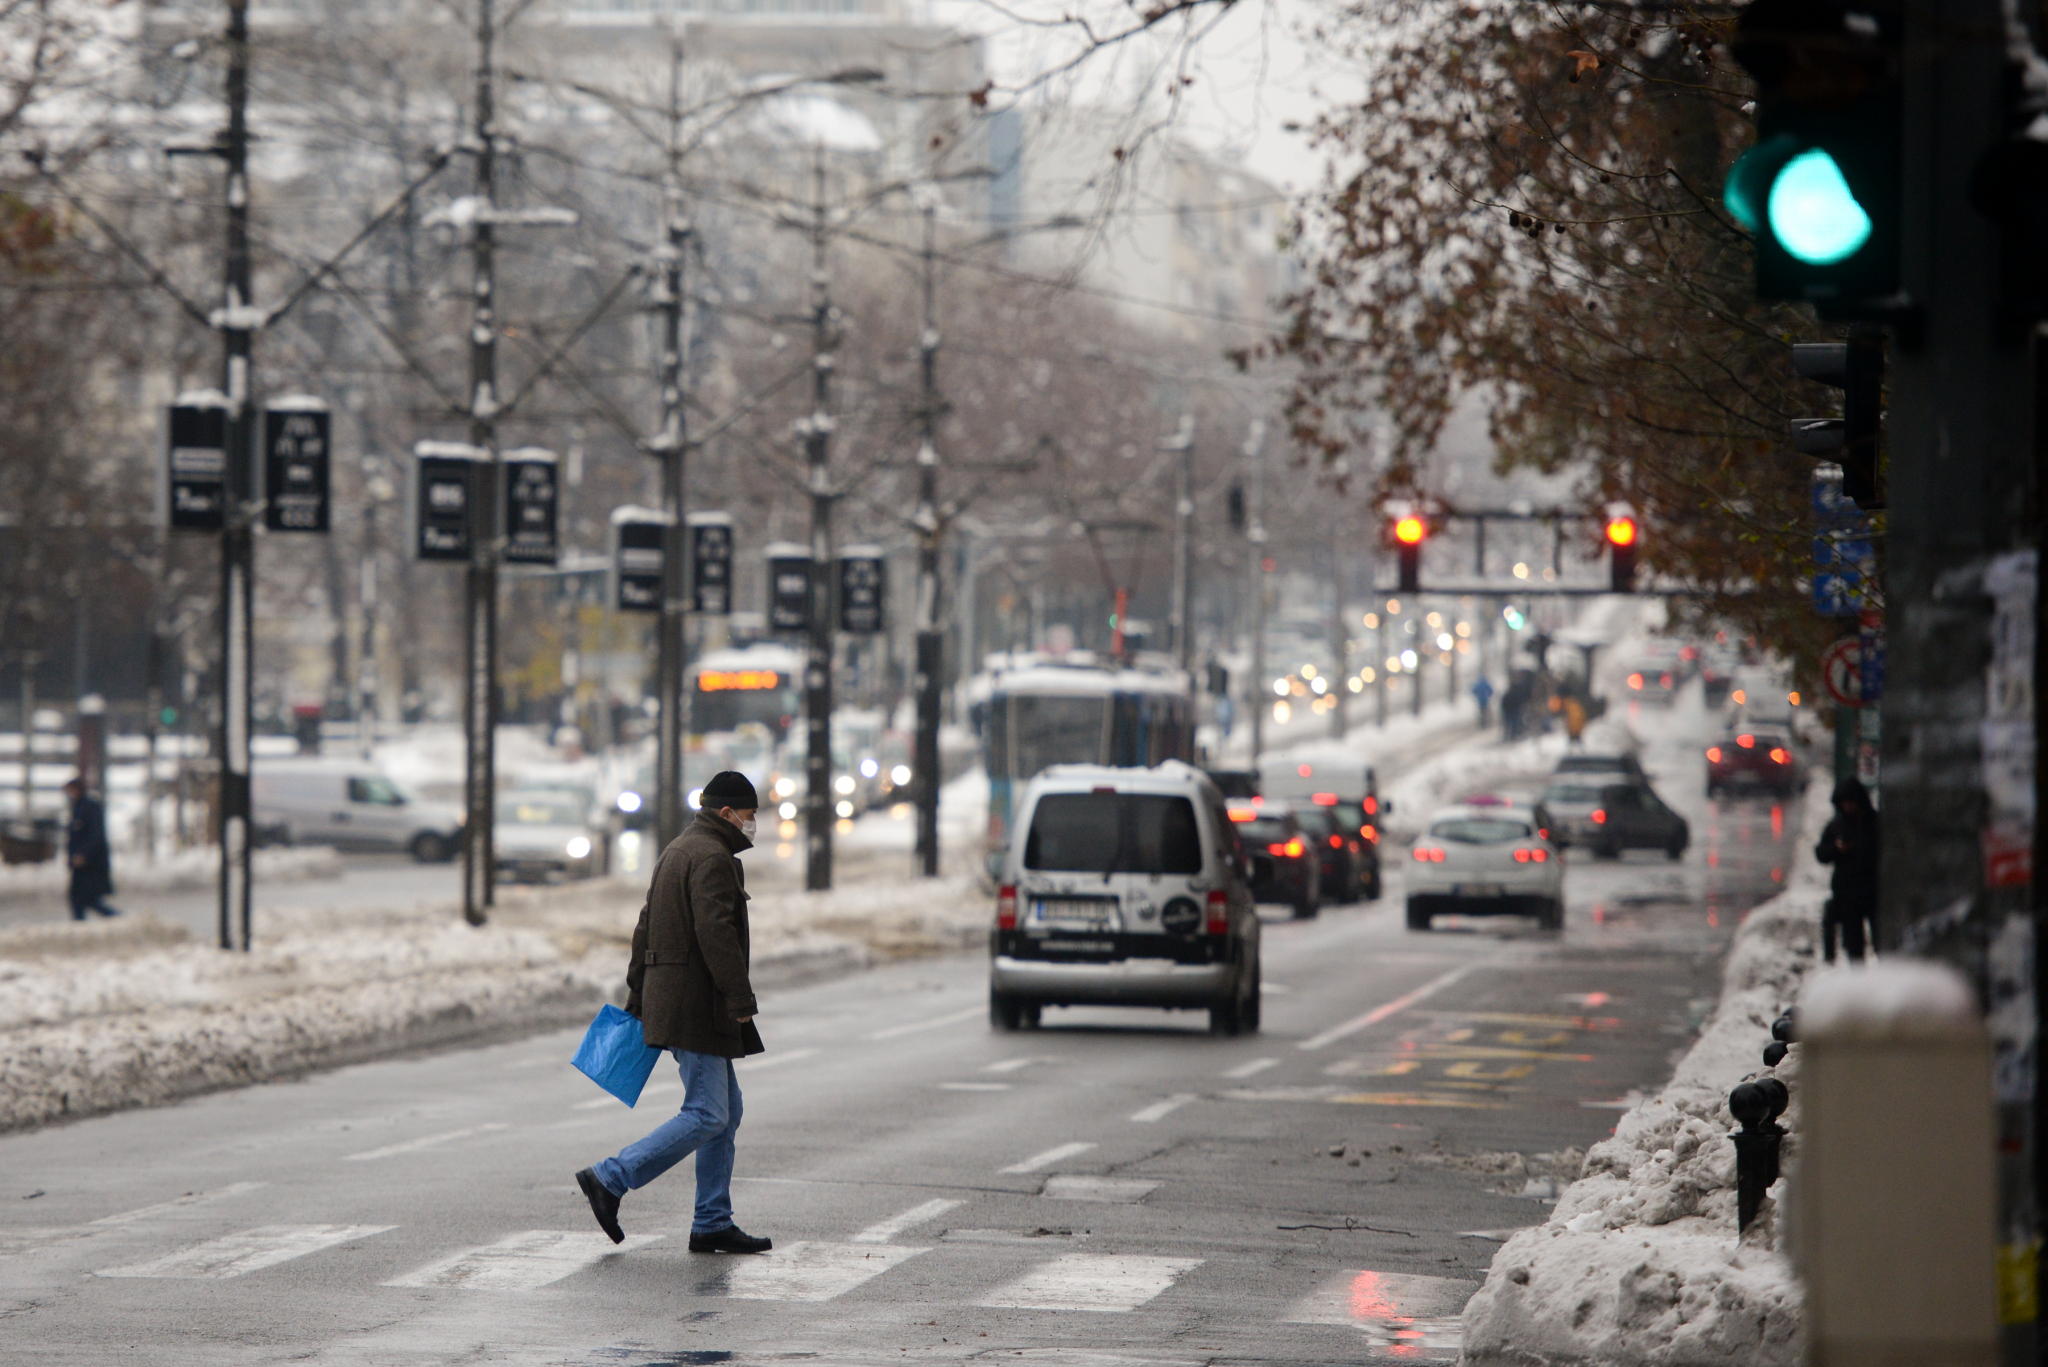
1340,847
1756,760
1610,818
1485,861
1293,872
351,807
1600,768
1128,889
1363,818
547,835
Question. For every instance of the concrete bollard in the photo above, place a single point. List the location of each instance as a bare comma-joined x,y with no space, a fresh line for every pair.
1893,1196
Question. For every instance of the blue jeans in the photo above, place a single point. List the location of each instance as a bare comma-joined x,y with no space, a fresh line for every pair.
707,1125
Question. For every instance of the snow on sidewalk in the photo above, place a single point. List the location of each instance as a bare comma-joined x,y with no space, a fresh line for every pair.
1640,1261
186,871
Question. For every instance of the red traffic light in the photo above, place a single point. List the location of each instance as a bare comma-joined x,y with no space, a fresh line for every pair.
1410,530
1621,531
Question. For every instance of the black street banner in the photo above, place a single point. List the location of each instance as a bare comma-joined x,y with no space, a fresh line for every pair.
636,559
861,589
530,506
711,563
296,465
198,468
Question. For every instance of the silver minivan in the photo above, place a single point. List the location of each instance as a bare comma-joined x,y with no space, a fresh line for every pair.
1124,887
351,807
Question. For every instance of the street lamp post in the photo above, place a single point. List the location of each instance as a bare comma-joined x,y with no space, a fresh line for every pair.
1255,537
816,430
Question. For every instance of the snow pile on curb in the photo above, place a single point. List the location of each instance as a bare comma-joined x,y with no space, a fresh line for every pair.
186,871
111,1015
1640,1261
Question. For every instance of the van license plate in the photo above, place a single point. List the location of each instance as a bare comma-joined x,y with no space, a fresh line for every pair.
1479,890
1090,912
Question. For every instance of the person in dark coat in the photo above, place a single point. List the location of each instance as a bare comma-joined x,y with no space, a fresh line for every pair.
688,986
1850,843
85,847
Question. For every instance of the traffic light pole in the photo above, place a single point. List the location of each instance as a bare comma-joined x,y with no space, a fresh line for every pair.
817,434
238,536
930,644
1182,444
480,616
670,809
1255,543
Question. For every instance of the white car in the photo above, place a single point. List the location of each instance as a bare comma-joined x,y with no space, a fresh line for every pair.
545,835
1484,859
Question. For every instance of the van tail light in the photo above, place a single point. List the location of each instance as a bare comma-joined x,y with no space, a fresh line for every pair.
1746,742
1336,842
1780,757
1635,681
1372,806
1006,908
1219,912
1714,754
1371,833
1599,817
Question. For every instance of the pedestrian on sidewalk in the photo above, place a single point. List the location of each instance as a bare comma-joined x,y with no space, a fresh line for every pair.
85,847
1850,843
688,986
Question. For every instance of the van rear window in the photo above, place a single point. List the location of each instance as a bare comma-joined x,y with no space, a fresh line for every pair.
1113,833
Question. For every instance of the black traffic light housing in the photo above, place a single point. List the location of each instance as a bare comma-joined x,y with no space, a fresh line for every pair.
1821,191
1856,367
1411,568
1409,529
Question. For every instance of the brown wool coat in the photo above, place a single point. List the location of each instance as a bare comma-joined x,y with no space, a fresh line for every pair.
688,979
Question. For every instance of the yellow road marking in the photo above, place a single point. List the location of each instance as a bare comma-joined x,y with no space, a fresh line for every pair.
1418,1099
1470,1069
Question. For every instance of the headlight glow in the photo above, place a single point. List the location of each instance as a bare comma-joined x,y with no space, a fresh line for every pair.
900,775
870,767
784,787
844,809
696,798
787,811
578,846
843,784
629,802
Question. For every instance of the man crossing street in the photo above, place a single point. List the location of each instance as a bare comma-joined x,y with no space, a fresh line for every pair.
688,985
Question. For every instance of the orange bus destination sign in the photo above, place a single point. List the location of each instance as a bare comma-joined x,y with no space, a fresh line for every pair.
727,680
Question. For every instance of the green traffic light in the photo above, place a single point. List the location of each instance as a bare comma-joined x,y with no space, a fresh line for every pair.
1513,618
169,716
1813,213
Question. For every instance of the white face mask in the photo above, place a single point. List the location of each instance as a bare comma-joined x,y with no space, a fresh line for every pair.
747,828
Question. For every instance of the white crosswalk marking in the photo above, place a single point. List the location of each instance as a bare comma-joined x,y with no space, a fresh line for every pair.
1159,1110
190,1198
521,1262
910,1219
233,1255
898,1031
807,1271
1393,1309
1051,1156
1091,1281
1119,1191
427,1142
974,1086
1011,1065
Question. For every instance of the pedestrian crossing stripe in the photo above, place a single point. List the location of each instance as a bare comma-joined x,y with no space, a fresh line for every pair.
235,1255
1091,1281
1117,1191
808,1271
521,1262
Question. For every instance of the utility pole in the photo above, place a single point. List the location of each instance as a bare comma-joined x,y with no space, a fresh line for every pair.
930,644
1380,669
237,322
480,618
817,434
1340,648
1182,443
670,446
1255,538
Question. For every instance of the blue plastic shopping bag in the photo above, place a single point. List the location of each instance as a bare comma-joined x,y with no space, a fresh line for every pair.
615,1055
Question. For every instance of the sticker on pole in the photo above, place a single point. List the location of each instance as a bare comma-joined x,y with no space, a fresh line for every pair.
1841,671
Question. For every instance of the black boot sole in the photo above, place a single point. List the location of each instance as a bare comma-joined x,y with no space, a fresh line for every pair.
608,1223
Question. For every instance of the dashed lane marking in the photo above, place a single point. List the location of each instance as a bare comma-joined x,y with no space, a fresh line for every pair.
807,1271
910,1219
974,1086
521,1262
431,1141
1011,1065
1257,1065
252,1250
1091,1281
1115,1191
936,1022
190,1198
1386,1009
1159,1110
1051,1156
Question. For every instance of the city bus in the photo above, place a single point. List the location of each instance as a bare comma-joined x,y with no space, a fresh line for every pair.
762,684
1044,715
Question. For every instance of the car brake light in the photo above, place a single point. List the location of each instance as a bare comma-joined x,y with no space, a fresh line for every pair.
1539,855
1521,856
1428,854
1746,742
1599,817
1370,833
1297,847
1324,799
1713,754
1635,681
1544,832
1239,814
1219,912
1664,679
1372,806
1006,908
1336,842
1780,757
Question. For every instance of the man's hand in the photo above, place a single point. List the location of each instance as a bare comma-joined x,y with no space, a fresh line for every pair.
742,1019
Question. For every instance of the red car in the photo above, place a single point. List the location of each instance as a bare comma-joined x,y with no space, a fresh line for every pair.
1760,760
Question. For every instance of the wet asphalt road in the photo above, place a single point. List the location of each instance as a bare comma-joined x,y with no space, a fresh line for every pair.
1116,1186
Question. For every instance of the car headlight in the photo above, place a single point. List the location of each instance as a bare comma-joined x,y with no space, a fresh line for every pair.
869,768
787,811
900,775
843,784
578,846
845,809
784,787
629,802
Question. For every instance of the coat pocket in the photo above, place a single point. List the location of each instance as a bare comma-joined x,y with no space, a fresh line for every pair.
721,1015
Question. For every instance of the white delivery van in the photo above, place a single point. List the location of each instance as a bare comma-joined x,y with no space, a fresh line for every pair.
1126,888
350,806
